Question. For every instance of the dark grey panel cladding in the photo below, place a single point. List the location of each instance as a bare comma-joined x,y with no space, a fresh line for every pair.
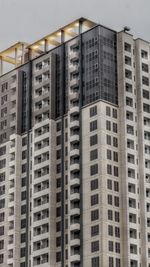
99,65
24,105
58,79
59,76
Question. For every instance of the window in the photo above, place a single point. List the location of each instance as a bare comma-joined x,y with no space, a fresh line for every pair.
129,101
132,203
58,126
127,47
1,258
108,139
115,156
109,169
95,246
116,171
95,262
1,244
24,168
133,249
128,60
1,230
23,181
93,125
128,87
110,230
130,129
108,125
146,108
117,247
93,111
94,184
3,151
23,223
108,111
116,201
94,230
58,140
24,154
145,67
109,199
117,232
110,246
115,130
108,154
109,184
24,141
117,216
94,200
128,74
93,140
58,226
94,169
145,80
110,215
23,238
145,94
22,252
58,154
23,209
114,113
116,186
93,154
132,218
115,142
144,54
94,215
23,195
58,256
111,262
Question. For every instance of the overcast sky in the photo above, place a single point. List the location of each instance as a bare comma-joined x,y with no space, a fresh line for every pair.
30,20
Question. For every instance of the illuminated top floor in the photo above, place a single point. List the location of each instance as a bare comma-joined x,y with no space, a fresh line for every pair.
21,52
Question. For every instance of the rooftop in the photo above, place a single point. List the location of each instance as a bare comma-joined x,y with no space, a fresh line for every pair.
21,52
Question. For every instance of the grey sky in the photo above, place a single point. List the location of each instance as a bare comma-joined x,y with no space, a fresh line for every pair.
29,20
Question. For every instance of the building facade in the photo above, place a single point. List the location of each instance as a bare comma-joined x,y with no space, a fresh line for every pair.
75,150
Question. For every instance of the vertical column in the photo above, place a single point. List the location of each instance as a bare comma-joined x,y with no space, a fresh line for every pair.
1,66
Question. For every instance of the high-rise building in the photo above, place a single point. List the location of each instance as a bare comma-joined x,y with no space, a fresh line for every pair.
75,150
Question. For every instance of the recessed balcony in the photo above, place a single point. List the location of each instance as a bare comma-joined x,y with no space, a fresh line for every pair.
74,138
74,167
73,96
74,152
74,110
75,211
74,124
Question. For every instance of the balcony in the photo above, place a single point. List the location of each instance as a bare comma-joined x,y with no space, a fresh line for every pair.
74,138
75,242
74,55
74,110
75,181
75,226
75,211
73,96
75,197
74,167
74,153
74,82
75,258
74,124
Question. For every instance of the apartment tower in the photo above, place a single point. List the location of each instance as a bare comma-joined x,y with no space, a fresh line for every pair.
75,150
